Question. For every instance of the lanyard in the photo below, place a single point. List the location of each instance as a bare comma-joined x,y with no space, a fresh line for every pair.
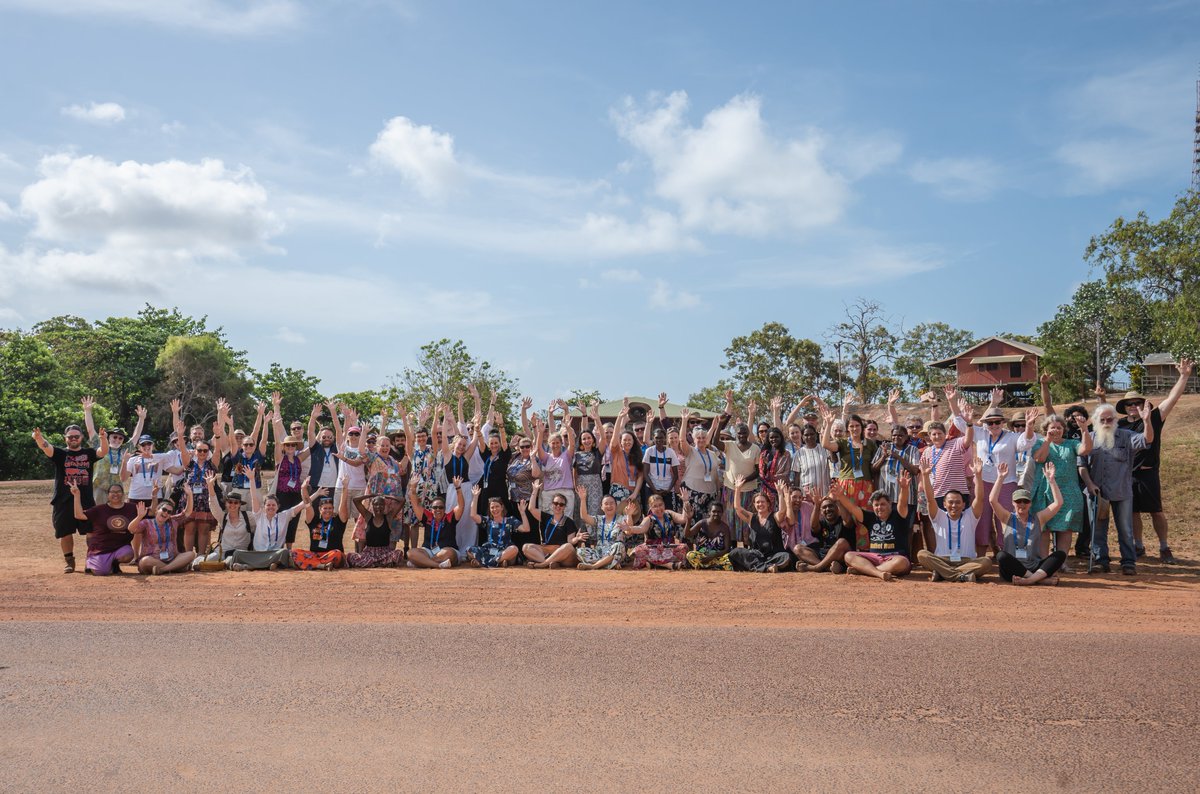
958,544
855,460
435,529
606,530
487,469
1012,519
707,460
326,527
117,460
663,531
936,454
162,534
546,536
272,537
662,464
499,527
992,442
456,466
894,467
145,474
328,455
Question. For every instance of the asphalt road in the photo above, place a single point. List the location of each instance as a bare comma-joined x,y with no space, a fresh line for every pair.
358,707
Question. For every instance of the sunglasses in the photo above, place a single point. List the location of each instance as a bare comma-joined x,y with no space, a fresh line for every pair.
202,449
74,438
355,434
559,504
438,507
248,446
1018,424
991,422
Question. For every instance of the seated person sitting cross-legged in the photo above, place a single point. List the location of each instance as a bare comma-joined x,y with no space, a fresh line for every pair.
1020,561
952,530
889,529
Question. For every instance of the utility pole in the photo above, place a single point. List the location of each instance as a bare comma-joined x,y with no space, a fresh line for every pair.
838,347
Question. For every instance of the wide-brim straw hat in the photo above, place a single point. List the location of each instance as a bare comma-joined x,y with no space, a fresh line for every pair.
1130,397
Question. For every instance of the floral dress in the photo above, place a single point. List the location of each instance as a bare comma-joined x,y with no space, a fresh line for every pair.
499,538
605,539
425,473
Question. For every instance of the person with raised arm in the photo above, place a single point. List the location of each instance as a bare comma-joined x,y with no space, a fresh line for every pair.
327,529
855,455
557,531
197,526
833,533
144,472
662,532
290,455
1021,560
495,547
107,470
701,463
945,456
627,476
994,443
1147,488
888,532
660,469
765,551
1060,448
950,551
457,451
159,552
323,446
741,462
588,464
601,543
497,458
555,457
235,527
107,526
72,467
712,539
439,545
270,532
378,537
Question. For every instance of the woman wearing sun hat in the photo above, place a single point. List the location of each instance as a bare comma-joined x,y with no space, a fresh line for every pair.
994,445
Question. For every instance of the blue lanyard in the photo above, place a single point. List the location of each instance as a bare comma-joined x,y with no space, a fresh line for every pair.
547,536
117,460
606,529
145,476
273,537
936,454
992,445
707,459
662,463
894,467
958,543
456,465
162,534
855,460
499,527
328,455
663,531
326,527
487,469
1012,519
435,529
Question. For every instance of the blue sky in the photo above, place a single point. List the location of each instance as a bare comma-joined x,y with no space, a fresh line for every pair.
593,195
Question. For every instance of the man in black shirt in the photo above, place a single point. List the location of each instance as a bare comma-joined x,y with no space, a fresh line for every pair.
72,466
889,528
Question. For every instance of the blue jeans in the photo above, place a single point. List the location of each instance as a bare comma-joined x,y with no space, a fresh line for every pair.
1122,513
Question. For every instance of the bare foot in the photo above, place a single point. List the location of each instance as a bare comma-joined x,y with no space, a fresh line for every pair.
803,567
772,569
1022,580
1050,580
504,563
887,576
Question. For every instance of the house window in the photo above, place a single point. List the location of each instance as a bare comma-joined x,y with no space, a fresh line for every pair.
987,367
1014,369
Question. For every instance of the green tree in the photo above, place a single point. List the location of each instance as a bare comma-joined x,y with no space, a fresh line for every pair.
866,345
297,389
35,391
1162,261
445,368
712,398
927,342
771,362
1117,321
368,404
196,370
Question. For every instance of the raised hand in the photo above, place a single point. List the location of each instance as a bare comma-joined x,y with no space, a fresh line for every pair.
526,403
458,481
176,405
1081,422
140,411
476,489
141,511
950,391
316,410
276,398
73,487
662,399
1002,470
581,492
776,403
905,479
211,478
1048,470
928,397
88,403
1184,367
1046,378
997,395
893,396
1145,410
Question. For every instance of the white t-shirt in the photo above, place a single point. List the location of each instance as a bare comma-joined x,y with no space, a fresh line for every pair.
1002,450
660,465
812,466
145,473
271,533
955,538
356,476
703,471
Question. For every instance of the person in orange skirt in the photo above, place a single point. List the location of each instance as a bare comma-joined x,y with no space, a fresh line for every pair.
326,528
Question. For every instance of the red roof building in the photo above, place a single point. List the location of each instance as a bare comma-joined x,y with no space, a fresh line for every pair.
1012,366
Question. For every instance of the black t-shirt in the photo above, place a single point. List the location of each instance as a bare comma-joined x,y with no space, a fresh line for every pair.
108,528
458,467
73,466
495,474
379,537
827,534
1148,457
332,532
439,536
890,535
586,463
556,534
767,536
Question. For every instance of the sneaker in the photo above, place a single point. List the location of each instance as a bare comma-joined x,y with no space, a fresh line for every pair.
238,566
1129,570
1140,551
967,577
69,564
1165,556
935,577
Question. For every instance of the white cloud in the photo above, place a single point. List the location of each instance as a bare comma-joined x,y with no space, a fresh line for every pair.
132,225
656,232
422,155
1128,126
288,336
214,16
668,297
857,263
173,128
359,366
96,112
6,212
730,174
958,178
622,275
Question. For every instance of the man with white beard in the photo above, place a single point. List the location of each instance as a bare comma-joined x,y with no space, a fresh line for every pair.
1109,475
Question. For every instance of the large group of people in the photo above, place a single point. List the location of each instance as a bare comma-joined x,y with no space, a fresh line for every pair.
963,495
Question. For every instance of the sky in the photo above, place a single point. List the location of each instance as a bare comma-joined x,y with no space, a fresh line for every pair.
589,195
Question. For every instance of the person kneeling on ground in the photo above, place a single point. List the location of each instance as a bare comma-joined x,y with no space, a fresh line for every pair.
270,532
1019,561
109,541
889,529
950,526
712,539
494,547
833,536
558,530
662,530
605,548
326,530
765,551
439,548
158,552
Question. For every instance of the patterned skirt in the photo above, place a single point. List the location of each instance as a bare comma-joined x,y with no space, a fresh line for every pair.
309,560
660,554
488,555
375,557
590,555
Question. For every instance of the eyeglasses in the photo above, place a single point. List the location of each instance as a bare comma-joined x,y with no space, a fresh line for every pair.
527,446
1108,420
248,446
991,422
202,449
353,433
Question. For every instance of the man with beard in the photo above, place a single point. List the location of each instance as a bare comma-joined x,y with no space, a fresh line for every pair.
1109,474
72,466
